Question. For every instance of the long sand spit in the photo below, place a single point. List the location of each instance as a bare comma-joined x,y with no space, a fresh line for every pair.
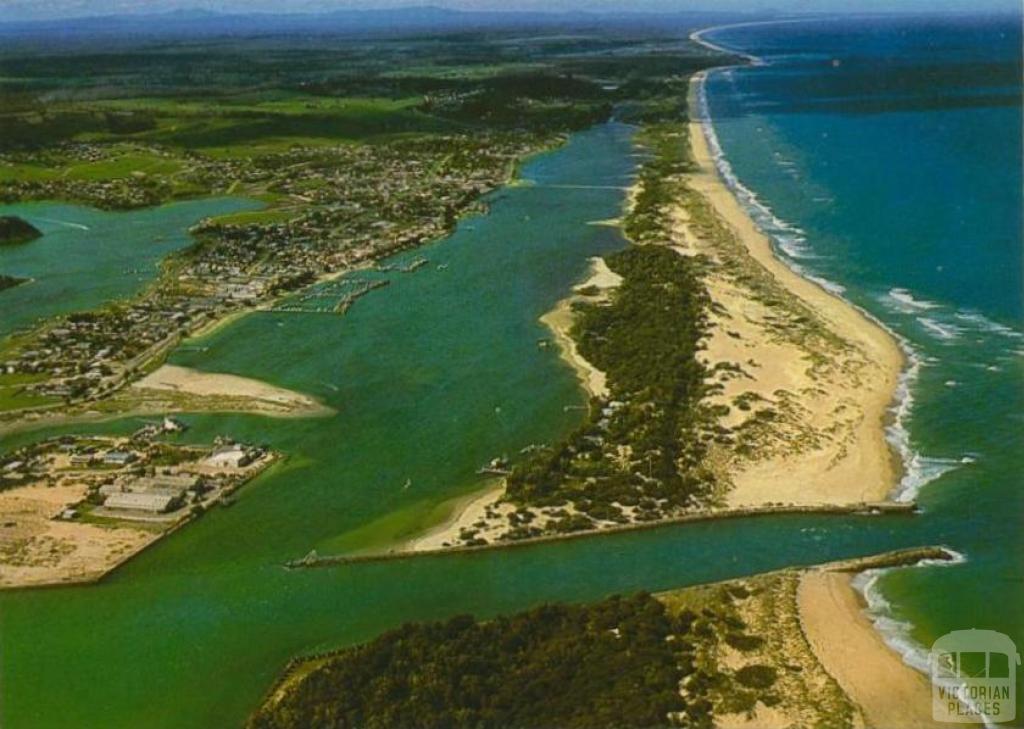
859,466
601,280
829,447
838,399
262,395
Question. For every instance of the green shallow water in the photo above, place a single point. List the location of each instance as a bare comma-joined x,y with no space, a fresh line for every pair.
431,377
88,257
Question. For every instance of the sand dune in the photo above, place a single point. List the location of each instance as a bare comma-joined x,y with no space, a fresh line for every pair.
826,372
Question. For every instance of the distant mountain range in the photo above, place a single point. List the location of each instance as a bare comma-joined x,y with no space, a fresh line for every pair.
196,22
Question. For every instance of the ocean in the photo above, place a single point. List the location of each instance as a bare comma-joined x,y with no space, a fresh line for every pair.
883,155
440,371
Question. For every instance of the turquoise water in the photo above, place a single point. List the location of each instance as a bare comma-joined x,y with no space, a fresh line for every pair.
89,257
884,155
430,376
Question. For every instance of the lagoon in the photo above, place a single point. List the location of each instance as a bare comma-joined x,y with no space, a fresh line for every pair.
87,258
431,377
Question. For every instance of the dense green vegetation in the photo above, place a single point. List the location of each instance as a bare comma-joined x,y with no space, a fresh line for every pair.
616,663
644,447
261,91
14,230
360,148
660,181
684,658
641,448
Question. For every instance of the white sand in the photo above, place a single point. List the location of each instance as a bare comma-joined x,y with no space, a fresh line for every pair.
829,447
889,693
183,380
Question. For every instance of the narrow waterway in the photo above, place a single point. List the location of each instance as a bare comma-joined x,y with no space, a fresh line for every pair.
431,376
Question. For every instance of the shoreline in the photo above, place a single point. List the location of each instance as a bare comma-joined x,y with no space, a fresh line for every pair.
833,605
560,320
870,371
172,389
826,449
429,544
265,398
467,507
833,618
144,539
773,607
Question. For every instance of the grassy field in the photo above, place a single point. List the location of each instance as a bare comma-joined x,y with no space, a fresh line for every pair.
12,396
138,163
256,216
20,171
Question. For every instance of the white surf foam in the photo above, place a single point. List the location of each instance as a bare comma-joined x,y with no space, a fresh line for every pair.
786,237
698,37
984,324
941,330
896,633
918,470
830,286
943,325
905,301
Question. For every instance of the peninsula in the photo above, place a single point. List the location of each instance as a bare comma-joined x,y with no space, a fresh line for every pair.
755,390
76,507
368,321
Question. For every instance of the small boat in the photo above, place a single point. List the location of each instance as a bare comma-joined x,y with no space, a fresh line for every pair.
407,484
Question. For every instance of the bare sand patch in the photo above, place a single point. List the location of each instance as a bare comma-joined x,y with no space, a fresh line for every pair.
888,692
38,549
825,387
600,281
260,396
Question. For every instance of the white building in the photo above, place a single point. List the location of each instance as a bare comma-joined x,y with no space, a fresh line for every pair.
154,502
232,456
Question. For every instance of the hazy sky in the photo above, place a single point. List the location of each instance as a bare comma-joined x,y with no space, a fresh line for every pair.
26,9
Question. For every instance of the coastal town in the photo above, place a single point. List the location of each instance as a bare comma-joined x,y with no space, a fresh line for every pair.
349,206
481,390
75,507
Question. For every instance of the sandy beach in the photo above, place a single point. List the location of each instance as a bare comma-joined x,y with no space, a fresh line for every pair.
826,373
889,693
253,395
804,380
600,281
466,510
